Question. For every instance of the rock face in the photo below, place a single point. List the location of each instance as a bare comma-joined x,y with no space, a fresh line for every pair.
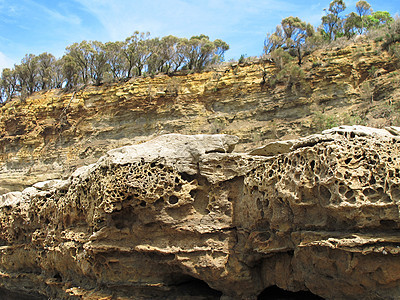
50,134
182,217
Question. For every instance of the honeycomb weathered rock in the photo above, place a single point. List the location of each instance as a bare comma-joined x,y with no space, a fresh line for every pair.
147,219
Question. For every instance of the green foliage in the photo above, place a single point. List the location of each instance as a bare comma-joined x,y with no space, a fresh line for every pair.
362,21
352,25
98,63
27,75
288,72
293,77
321,121
69,71
292,36
281,58
332,22
45,69
363,9
372,71
199,52
81,55
352,119
8,84
394,50
298,38
336,7
136,50
115,59
92,62
378,19
242,59
393,34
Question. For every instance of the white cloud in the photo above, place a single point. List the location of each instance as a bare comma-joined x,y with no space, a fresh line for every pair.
51,13
121,18
5,62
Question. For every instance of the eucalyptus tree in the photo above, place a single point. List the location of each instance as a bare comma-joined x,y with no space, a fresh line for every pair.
168,54
336,7
162,54
363,9
115,59
58,75
220,48
46,71
135,52
144,52
274,40
70,71
199,51
178,57
98,63
292,36
81,55
27,74
378,18
296,34
331,22
8,84
352,25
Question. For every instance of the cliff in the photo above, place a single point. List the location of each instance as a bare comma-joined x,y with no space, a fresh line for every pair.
50,134
183,217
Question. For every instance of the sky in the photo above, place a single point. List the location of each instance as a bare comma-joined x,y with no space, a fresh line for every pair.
37,26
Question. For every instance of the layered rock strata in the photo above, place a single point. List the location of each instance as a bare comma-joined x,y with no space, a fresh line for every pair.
183,217
50,134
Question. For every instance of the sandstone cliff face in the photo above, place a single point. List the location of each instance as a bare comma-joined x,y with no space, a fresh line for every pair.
147,221
50,134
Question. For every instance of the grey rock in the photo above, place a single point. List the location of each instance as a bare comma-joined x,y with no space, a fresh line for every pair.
273,148
178,150
10,199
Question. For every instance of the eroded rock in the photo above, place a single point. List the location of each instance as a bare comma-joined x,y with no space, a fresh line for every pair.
181,216
52,133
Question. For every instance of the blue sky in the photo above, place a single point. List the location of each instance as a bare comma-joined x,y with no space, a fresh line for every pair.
36,26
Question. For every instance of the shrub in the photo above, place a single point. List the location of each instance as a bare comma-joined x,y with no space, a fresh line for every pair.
242,59
281,58
392,35
321,121
293,77
288,72
394,50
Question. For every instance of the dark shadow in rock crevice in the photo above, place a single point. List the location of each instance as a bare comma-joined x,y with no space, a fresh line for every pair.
188,286
276,293
10,295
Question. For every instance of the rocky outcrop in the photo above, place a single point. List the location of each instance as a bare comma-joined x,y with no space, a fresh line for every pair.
184,216
50,134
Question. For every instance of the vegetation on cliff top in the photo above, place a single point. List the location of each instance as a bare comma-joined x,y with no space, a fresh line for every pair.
94,62
294,39
299,38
